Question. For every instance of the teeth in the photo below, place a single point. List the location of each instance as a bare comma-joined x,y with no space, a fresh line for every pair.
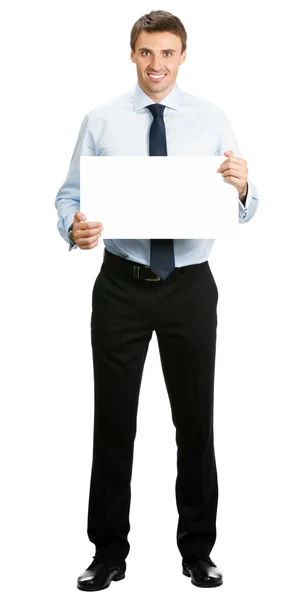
156,76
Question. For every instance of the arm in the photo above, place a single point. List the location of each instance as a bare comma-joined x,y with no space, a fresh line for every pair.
248,203
67,200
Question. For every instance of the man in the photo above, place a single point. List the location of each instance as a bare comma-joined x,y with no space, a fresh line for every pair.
157,118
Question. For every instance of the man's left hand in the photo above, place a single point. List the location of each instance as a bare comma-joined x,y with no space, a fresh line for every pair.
234,170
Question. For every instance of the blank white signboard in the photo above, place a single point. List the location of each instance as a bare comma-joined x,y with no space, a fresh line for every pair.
158,196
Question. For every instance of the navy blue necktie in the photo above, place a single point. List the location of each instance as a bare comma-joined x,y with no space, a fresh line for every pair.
162,259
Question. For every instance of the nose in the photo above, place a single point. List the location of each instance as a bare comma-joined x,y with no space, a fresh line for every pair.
156,65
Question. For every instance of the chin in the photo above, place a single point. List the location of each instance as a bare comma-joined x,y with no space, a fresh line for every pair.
163,84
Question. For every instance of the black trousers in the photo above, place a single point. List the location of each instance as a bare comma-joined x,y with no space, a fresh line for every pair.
182,310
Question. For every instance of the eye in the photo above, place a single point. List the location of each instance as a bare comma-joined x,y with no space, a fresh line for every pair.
147,51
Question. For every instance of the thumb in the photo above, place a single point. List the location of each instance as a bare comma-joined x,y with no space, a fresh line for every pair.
80,216
229,153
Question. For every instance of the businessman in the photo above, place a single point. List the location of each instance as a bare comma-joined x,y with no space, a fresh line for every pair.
156,118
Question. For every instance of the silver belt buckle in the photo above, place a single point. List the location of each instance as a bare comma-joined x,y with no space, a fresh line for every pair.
157,278
136,274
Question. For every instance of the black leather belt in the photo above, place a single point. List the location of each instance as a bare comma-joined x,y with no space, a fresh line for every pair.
136,270
139,271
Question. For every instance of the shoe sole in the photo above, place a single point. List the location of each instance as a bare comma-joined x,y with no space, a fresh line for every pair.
187,573
96,588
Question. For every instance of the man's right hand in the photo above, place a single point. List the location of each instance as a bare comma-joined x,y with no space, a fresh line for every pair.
86,233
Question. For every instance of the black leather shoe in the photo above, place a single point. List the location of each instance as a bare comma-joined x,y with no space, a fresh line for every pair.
203,571
100,573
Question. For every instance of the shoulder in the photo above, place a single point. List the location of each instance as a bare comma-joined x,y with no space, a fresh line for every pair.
109,108
202,106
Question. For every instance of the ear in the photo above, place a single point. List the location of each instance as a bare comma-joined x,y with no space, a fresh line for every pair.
183,57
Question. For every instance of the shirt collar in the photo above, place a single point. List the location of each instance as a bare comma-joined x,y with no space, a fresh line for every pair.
141,99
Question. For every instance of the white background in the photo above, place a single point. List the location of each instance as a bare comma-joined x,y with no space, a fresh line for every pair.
59,61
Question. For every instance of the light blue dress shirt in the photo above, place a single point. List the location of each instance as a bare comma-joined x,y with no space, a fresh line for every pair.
194,127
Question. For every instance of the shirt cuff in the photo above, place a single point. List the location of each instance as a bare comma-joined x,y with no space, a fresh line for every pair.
244,209
68,220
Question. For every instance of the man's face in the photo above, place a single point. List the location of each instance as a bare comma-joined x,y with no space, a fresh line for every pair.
157,53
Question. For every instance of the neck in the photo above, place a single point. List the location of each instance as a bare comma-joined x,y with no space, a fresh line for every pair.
157,97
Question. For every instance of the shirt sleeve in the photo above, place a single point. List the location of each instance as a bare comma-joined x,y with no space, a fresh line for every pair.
67,200
227,141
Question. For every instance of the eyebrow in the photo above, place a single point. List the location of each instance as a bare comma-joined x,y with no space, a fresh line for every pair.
166,50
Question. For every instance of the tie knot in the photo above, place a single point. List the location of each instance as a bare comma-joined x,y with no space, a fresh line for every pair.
157,109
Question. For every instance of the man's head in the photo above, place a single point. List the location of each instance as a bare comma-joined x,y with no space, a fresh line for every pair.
158,46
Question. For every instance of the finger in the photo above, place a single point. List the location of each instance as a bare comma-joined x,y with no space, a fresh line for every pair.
233,179
234,161
79,216
85,233
89,225
87,241
227,170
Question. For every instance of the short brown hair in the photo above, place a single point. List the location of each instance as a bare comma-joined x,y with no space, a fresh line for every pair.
158,20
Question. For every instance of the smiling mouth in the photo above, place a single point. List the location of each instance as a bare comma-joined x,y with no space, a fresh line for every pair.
156,77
